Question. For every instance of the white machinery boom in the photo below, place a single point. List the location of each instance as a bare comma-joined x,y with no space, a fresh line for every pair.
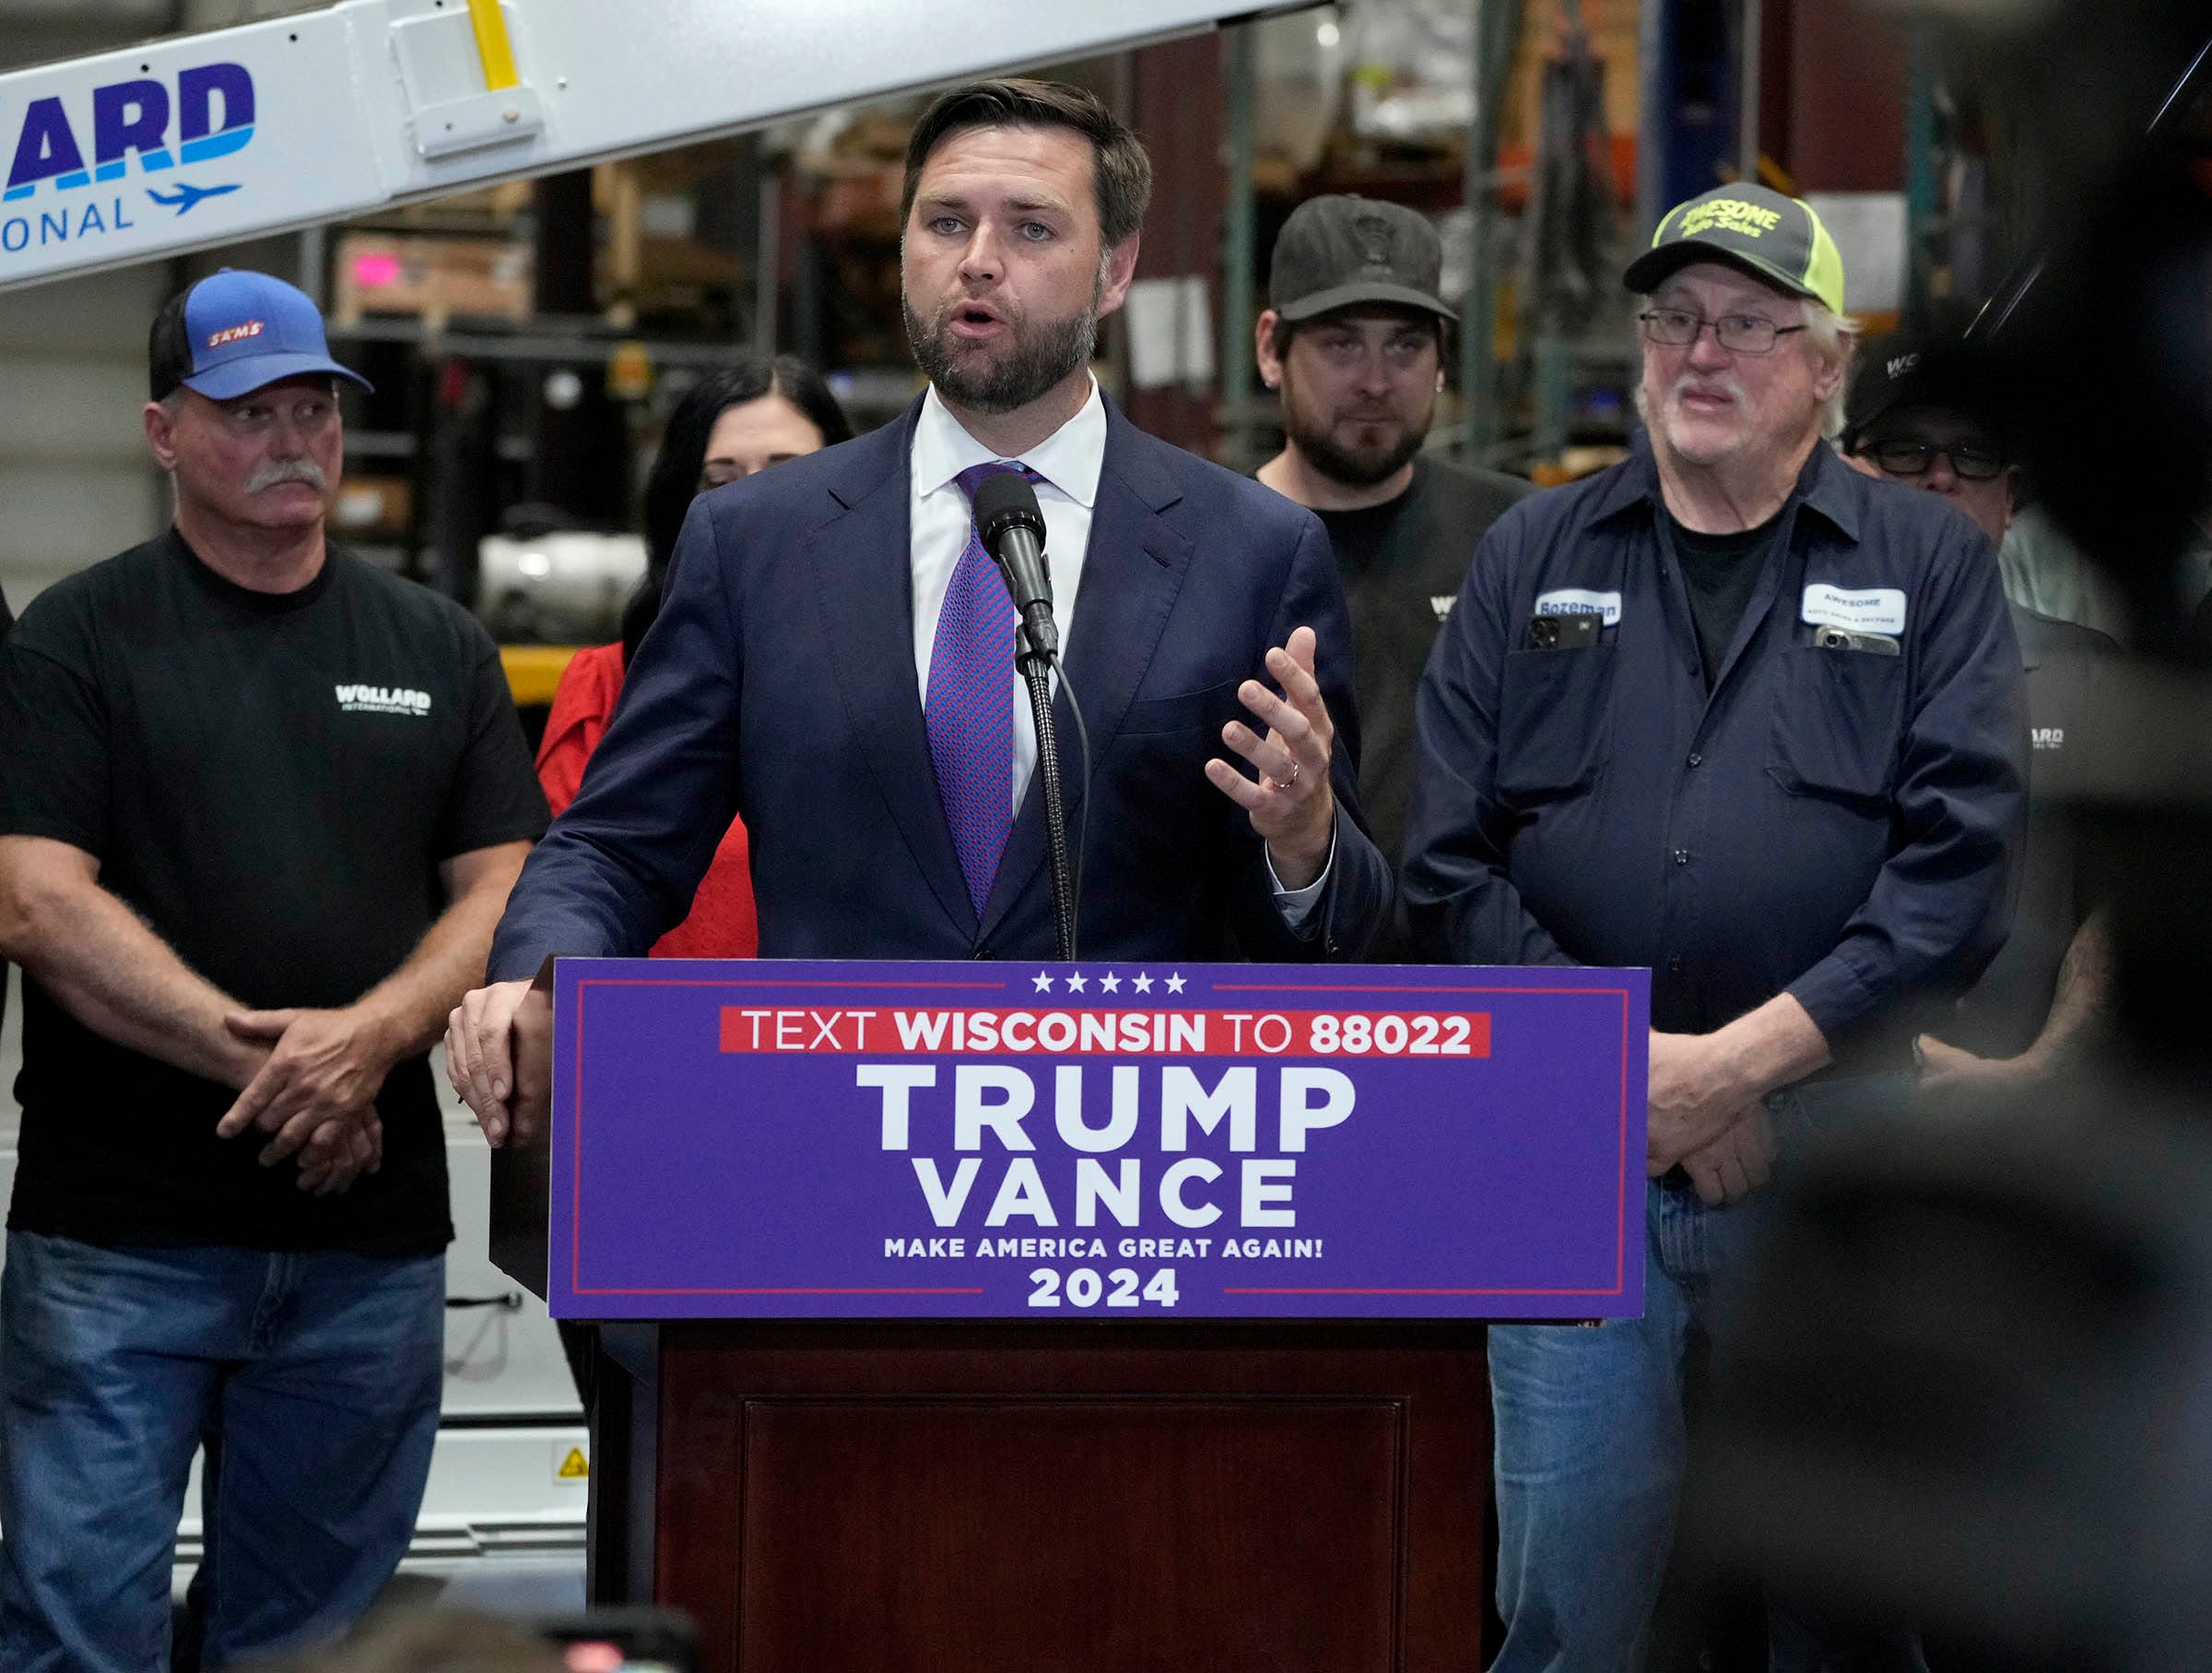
207,139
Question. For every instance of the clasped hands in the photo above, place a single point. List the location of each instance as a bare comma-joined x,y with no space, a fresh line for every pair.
1707,1119
313,1091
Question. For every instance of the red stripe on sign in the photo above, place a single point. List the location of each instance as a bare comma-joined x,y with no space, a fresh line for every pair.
1023,1031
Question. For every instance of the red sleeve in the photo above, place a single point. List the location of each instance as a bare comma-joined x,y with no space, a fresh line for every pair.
723,924
582,703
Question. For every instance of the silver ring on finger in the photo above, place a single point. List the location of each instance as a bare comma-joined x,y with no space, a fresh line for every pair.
1293,778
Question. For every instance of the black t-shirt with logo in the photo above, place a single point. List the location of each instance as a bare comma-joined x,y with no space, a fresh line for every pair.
1402,563
2066,665
270,781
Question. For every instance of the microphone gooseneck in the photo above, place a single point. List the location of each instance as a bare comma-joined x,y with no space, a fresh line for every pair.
1012,528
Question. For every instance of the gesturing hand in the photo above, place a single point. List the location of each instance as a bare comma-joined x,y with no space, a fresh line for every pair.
1291,806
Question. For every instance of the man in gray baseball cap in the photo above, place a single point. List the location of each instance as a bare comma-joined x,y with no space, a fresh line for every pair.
1353,340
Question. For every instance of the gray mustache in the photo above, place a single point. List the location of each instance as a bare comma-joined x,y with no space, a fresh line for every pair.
288,470
1725,386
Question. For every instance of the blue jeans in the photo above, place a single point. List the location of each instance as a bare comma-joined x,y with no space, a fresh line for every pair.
1591,1439
314,1379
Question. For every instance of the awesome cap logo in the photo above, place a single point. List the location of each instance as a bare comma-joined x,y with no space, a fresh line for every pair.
1729,215
232,334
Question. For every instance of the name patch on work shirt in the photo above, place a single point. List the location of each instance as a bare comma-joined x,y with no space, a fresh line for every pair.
1875,610
1579,601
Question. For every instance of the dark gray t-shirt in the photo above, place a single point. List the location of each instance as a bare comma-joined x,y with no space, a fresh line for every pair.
1402,563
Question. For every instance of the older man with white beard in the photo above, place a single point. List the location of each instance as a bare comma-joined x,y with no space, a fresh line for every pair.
1733,712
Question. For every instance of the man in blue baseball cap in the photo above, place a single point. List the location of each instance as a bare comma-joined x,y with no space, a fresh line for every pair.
225,359
259,805
234,333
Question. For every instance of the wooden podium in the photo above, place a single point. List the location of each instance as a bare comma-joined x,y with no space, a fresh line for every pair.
946,1496
1085,1493
1097,1499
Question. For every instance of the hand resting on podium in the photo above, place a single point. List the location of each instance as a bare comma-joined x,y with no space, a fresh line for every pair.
499,1055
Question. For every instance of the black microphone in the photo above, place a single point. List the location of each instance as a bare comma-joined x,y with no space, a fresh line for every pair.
1013,533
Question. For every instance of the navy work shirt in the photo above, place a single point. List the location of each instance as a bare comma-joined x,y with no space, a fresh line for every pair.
1832,823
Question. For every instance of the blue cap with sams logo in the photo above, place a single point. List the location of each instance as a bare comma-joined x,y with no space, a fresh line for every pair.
244,330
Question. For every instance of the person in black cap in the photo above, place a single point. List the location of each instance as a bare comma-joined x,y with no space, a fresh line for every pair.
1928,412
1734,713
1353,340
260,805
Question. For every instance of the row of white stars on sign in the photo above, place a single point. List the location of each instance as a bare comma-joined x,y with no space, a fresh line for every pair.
1110,982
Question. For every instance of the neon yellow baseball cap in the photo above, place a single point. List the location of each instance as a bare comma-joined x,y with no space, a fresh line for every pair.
1773,236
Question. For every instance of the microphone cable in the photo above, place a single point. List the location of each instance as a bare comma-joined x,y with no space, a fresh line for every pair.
1066,873
1083,743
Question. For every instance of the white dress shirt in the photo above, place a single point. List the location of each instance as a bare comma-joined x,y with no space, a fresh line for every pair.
1070,461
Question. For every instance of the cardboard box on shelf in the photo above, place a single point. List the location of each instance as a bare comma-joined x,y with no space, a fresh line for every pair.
433,278
372,505
666,253
482,211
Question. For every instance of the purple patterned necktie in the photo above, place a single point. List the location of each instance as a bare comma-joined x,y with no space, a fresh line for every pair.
970,702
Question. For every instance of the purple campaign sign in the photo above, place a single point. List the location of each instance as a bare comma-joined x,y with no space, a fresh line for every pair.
868,1140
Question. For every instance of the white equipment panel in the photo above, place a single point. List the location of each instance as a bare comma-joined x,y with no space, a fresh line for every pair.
203,140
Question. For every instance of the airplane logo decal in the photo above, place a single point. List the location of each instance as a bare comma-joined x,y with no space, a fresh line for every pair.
186,195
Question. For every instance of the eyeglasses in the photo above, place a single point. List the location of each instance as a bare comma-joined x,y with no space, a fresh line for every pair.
1737,333
1973,461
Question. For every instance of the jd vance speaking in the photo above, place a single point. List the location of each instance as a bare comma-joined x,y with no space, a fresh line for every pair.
834,660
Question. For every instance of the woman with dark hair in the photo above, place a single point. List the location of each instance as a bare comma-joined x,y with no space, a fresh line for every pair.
733,422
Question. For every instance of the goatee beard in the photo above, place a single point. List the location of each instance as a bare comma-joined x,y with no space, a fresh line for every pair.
1361,469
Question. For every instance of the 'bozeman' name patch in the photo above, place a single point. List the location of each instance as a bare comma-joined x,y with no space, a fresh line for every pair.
1580,601
382,700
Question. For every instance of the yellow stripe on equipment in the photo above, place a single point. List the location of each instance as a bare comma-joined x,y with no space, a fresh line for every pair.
493,44
533,672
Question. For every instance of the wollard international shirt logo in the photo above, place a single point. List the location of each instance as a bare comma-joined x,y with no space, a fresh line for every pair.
382,700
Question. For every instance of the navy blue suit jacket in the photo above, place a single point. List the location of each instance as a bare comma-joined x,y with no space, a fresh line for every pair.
779,684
